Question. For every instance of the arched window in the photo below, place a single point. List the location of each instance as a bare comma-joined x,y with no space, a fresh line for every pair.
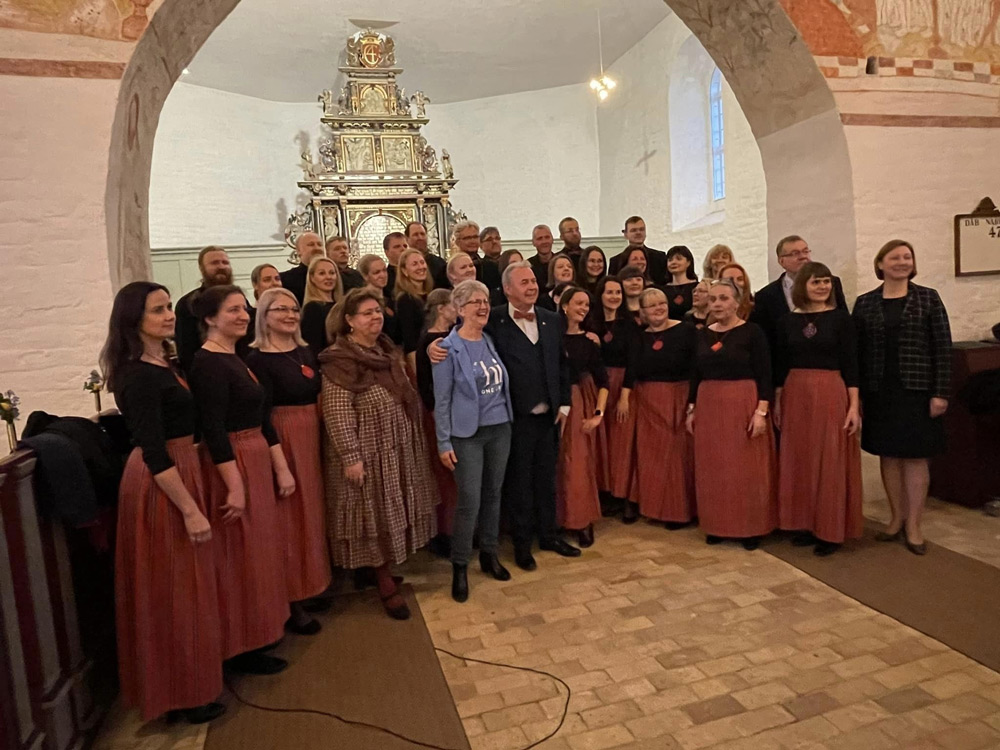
718,137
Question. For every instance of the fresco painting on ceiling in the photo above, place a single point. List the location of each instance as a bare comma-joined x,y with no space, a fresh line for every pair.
942,29
117,20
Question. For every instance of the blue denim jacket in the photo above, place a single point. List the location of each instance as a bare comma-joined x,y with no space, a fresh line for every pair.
456,396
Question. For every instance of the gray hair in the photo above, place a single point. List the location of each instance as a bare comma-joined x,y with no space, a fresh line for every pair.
464,291
539,226
737,292
462,225
509,271
262,332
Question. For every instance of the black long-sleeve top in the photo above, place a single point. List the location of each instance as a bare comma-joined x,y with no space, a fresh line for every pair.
187,336
584,357
410,318
390,321
425,371
229,399
157,407
740,353
679,298
666,356
313,325
288,379
832,345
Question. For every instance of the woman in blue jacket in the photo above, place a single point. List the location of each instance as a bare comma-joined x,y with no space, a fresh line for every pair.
472,412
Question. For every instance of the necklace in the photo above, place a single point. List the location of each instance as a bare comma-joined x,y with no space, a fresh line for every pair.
307,372
719,337
809,329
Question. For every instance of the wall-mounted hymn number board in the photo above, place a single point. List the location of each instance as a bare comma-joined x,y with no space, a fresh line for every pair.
977,241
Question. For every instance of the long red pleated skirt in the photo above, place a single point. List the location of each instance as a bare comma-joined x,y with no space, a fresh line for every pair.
249,555
444,479
664,454
735,474
167,611
819,487
616,442
303,513
578,501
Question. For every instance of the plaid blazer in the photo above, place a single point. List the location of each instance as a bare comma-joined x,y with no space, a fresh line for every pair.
924,341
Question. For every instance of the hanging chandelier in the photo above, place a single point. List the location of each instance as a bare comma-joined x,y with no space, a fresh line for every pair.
604,84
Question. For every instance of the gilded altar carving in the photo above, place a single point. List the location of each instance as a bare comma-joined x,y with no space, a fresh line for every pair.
375,172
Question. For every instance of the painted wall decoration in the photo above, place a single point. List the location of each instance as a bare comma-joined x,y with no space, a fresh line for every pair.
967,30
116,20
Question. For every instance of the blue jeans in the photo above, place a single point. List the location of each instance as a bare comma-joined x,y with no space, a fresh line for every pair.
479,472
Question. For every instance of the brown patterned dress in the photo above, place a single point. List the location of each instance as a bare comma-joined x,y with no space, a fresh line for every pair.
392,513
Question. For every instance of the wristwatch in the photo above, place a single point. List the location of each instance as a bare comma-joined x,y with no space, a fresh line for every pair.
598,413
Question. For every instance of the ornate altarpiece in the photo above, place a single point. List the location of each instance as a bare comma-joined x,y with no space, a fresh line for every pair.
376,172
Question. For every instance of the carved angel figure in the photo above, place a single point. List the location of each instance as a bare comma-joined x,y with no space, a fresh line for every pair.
446,168
402,105
344,101
421,101
428,159
328,154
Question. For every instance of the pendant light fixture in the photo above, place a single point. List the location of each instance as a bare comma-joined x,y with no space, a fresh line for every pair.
604,84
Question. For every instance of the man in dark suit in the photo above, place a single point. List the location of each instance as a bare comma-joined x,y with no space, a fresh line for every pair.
393,244
541,239
571,236
308,246
337,251
656,260
529,341
774,301
416,237
467,239
213,262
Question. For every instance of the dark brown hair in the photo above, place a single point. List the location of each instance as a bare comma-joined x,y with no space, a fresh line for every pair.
887,248
123,344
800,296
336,320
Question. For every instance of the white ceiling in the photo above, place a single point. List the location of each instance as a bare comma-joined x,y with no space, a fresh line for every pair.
453,51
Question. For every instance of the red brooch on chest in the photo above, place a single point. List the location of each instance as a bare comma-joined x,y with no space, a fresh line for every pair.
657,345
608,337
308,372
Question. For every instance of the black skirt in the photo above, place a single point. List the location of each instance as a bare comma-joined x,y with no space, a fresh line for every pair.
896,423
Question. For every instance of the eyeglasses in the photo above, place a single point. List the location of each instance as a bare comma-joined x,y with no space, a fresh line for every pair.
477,303
797,254
285,310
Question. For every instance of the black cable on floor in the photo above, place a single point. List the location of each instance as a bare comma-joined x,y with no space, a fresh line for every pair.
397,735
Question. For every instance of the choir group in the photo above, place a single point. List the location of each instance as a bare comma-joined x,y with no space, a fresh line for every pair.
356,415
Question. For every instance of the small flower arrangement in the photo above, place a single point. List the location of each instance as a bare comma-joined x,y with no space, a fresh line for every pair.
95,384
9,403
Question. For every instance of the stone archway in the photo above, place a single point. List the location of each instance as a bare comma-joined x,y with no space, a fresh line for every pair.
770,69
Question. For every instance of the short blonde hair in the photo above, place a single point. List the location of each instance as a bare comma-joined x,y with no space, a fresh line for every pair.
262,332
714,252
313,293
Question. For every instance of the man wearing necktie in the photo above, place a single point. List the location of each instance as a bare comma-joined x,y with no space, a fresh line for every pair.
529,341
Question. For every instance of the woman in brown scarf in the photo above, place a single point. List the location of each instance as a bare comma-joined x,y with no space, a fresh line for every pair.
379,489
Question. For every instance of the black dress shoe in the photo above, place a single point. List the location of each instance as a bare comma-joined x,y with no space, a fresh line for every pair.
804,539
489,563
586,536
524,559
254,662
885,536
317,605
712,539
825,549
559,546
676,525
751,542
310,628
916,549
631,514
459,582
198,714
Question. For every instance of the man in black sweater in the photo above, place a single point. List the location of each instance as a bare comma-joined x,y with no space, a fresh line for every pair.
541,239
569,233
467,239
213,262
656,260
308,246
337,250
774,301
416,237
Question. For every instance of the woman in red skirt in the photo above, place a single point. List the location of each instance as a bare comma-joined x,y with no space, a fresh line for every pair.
249,544
664,487
289,373
169,637
816,407
619,337
734,458
578,501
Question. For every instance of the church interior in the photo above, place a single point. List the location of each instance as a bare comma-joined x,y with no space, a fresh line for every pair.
138,132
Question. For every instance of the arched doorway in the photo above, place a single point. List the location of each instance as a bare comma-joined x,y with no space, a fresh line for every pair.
784,96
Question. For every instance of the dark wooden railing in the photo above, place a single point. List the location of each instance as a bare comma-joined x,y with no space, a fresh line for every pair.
45,693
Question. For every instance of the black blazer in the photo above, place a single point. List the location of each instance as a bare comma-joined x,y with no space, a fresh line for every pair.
502,329
656,264
294,280
924,341
770,308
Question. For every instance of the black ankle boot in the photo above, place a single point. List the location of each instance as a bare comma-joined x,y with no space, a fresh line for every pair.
631,514
490,564
459,582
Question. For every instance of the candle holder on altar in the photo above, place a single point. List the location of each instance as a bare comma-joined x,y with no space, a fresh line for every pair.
95,384
9,412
